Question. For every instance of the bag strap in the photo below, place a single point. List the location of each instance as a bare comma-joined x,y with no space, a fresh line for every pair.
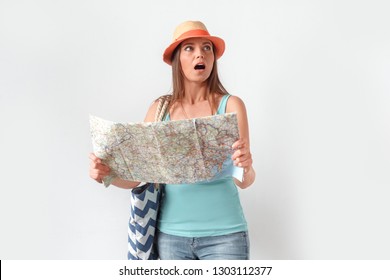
162,106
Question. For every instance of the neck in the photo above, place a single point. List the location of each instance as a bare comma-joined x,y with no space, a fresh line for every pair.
195,92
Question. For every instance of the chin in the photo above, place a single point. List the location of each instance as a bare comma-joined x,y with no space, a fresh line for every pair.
200,79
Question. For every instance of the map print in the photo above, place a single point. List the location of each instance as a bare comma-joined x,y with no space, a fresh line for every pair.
171,152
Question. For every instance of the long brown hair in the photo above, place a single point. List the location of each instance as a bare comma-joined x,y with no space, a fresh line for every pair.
214,83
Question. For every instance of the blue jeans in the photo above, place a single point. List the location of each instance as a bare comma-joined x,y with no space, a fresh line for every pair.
234,246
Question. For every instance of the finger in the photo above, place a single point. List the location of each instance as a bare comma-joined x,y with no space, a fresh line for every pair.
94,158
242,158
93,165
95,173
99,166
246,163
236,154
94,176
239,153
239,143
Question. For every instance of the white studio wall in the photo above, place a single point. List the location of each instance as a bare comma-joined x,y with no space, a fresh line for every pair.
315,79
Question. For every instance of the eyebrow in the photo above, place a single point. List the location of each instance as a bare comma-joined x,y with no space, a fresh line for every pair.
191,43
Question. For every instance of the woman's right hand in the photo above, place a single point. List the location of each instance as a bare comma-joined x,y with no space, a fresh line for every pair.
97,169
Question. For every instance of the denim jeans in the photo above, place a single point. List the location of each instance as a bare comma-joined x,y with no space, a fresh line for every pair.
234,246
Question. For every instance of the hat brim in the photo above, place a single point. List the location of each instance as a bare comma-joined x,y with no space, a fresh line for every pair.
218,43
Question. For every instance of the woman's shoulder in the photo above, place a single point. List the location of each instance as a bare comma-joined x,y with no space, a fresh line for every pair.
156,106
235,104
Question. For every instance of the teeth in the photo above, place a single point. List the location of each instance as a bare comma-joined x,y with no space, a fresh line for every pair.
199,66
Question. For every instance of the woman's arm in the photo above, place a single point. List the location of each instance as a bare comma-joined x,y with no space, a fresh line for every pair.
242,156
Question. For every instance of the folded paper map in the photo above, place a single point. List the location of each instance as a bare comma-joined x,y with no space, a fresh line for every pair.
172,152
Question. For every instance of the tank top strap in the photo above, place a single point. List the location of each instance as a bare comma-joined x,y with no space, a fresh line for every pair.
222,104
221,107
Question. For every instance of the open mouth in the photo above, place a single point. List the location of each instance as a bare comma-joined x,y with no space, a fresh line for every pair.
200,66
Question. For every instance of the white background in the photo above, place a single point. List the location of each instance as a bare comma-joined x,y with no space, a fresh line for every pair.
315,79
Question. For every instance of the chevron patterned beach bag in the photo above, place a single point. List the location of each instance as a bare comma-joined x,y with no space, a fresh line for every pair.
145,202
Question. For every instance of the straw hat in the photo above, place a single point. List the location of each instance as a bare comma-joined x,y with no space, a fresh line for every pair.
192,29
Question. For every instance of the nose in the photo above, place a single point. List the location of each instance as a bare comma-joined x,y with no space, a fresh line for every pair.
200,53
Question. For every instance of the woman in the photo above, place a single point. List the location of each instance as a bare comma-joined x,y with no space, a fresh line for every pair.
201,220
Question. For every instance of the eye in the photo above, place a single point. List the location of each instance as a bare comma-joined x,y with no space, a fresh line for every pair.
188,48
207,48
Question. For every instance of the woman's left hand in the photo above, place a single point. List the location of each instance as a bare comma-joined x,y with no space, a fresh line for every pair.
242,156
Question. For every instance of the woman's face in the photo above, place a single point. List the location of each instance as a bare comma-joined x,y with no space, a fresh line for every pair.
196,59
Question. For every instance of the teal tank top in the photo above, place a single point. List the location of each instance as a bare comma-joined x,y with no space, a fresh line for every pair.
202,209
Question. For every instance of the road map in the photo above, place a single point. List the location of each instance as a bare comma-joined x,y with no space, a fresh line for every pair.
171,152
